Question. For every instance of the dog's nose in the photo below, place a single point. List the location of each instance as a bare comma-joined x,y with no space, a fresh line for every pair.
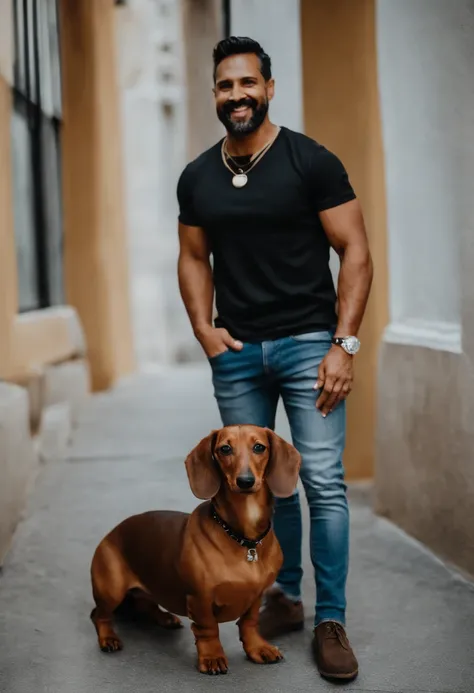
245,481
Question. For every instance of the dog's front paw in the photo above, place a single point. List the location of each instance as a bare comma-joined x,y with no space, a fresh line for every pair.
264,653
110,644
213,665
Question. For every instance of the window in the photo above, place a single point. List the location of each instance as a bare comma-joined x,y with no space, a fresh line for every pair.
35,129
226,16
425,94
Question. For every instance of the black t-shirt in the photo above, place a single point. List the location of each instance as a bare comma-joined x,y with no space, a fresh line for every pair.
270,253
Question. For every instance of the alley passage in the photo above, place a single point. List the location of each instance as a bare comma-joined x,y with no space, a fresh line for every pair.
410,620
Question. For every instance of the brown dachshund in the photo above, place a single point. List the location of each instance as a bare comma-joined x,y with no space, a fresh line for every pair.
212,565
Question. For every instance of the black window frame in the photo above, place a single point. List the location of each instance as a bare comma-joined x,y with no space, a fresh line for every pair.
226,18
28,104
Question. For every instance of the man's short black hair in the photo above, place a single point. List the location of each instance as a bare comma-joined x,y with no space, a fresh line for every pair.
236,45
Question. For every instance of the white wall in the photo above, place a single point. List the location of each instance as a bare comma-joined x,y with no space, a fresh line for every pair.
149,43
425,81
276,25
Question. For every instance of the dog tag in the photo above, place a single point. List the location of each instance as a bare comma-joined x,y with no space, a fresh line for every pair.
252,555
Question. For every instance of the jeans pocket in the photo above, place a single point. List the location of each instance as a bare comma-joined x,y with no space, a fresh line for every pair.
213,359
319,336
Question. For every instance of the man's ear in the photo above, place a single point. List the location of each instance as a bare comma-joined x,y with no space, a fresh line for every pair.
270,87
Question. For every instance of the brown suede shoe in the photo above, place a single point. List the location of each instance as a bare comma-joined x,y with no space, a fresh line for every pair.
334,656
279,615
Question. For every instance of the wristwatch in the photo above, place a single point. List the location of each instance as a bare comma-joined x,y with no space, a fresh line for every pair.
350,344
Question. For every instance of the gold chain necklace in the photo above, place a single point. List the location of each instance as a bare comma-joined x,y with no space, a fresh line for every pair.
252,158
240,178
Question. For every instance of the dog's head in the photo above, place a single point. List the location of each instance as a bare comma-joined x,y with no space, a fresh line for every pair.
244,458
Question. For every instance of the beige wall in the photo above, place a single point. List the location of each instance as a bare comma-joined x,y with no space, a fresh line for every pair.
96,269
424,472
8,272
17,461
44,351
39,338
341,111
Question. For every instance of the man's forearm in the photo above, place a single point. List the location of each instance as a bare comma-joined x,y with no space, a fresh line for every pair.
354,283
197,291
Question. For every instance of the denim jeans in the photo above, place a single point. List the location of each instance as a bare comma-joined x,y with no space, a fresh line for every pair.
247,387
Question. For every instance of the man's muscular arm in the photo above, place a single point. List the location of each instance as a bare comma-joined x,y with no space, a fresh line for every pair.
197,290
345,229
195,277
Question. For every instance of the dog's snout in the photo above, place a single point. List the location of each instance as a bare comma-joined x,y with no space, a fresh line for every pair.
246,481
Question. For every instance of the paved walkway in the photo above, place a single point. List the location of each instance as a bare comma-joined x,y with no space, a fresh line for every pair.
410,620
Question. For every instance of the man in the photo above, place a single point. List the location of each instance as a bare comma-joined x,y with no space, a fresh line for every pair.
268,203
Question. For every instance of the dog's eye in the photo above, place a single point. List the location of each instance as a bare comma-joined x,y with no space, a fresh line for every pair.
259,448
226,449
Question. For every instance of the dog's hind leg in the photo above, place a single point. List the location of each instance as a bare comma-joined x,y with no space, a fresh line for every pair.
146,606
111,580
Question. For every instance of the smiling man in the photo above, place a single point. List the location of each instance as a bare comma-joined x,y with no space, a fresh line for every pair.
268,203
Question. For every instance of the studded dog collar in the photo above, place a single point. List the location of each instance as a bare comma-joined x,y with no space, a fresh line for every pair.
250,544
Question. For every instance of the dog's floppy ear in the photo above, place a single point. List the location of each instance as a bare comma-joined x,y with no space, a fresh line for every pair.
203,474
283,466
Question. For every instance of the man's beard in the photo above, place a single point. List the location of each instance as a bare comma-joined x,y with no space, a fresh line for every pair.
240,129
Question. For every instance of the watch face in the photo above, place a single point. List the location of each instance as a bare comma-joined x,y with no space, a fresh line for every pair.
351,345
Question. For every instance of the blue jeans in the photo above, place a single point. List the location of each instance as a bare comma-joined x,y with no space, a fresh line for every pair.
247,387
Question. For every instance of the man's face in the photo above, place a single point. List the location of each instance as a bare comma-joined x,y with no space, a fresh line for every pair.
242,95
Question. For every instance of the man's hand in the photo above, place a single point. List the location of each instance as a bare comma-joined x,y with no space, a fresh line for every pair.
335,376
217,340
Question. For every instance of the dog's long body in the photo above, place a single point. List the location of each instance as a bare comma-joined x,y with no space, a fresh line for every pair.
163,560
188,564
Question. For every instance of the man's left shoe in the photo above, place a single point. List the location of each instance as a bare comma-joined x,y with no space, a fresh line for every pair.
333,653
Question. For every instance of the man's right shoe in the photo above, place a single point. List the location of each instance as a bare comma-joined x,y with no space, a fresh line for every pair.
279,615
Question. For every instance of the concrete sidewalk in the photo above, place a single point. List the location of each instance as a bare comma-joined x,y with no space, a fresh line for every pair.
410,620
